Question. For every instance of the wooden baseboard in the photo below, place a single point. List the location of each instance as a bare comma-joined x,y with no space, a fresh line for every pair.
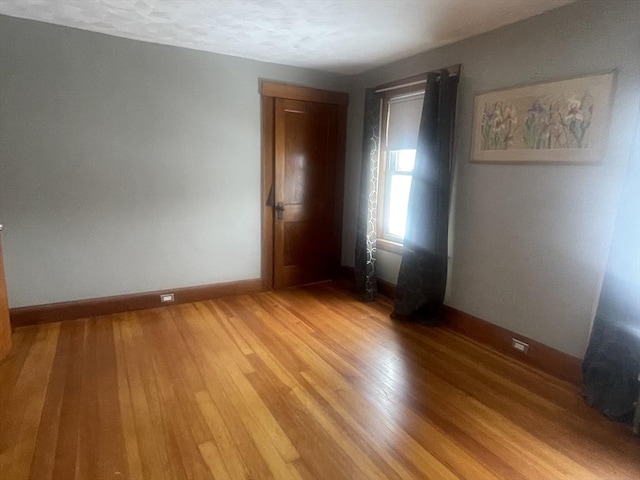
92,307
386,288
347,273
543,357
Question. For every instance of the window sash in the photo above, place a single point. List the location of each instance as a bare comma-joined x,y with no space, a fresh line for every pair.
387,204
387,240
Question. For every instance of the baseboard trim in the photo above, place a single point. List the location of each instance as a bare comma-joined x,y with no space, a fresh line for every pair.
554,362
347,273
386,288
92,307
543,357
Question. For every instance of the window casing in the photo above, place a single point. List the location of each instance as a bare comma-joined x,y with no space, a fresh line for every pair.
401,111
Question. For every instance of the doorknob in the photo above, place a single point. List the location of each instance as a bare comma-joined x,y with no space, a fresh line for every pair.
279,210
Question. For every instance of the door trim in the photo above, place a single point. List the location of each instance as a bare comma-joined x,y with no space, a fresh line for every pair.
269,91
306,94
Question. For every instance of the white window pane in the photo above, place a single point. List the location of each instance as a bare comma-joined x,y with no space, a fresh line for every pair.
406,160
399,188
401,160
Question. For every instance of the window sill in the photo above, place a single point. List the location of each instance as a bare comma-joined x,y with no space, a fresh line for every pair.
389,246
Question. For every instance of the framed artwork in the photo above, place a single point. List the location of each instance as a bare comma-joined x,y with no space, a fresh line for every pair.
563,122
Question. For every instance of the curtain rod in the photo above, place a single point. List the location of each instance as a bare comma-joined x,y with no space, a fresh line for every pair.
453,72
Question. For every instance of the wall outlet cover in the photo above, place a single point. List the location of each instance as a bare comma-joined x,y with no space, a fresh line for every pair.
520,346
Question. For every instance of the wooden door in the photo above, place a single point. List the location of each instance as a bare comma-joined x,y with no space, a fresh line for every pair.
307,196
5,325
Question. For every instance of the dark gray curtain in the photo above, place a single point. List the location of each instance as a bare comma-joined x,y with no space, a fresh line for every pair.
366,232
423,271
612,362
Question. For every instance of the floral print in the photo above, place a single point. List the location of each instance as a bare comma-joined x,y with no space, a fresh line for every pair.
537,123
499,125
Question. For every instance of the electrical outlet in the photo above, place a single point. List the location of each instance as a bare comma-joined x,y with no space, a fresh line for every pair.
166,297
520,346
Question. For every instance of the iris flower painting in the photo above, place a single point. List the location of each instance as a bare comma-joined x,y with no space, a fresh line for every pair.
559,121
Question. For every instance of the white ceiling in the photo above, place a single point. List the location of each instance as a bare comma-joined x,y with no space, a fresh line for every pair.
343,36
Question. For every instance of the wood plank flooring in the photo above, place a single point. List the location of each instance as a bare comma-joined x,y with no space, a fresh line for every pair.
297,384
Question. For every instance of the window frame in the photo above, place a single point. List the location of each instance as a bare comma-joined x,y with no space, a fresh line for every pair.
386,241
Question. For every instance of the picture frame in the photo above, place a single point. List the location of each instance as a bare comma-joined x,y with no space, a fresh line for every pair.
565,121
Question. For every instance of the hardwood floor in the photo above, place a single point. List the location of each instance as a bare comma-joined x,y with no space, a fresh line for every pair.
296,384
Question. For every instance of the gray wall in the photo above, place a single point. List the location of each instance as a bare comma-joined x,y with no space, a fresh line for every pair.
529,242
127,166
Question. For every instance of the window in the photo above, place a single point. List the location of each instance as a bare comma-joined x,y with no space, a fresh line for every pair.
397,187
401,113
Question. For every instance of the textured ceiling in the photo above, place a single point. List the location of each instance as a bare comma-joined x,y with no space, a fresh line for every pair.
344,36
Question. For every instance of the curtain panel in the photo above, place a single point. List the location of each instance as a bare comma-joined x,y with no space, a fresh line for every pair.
366,230
423,271
612,362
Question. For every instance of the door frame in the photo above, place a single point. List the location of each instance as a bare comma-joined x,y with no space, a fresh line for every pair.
269,91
